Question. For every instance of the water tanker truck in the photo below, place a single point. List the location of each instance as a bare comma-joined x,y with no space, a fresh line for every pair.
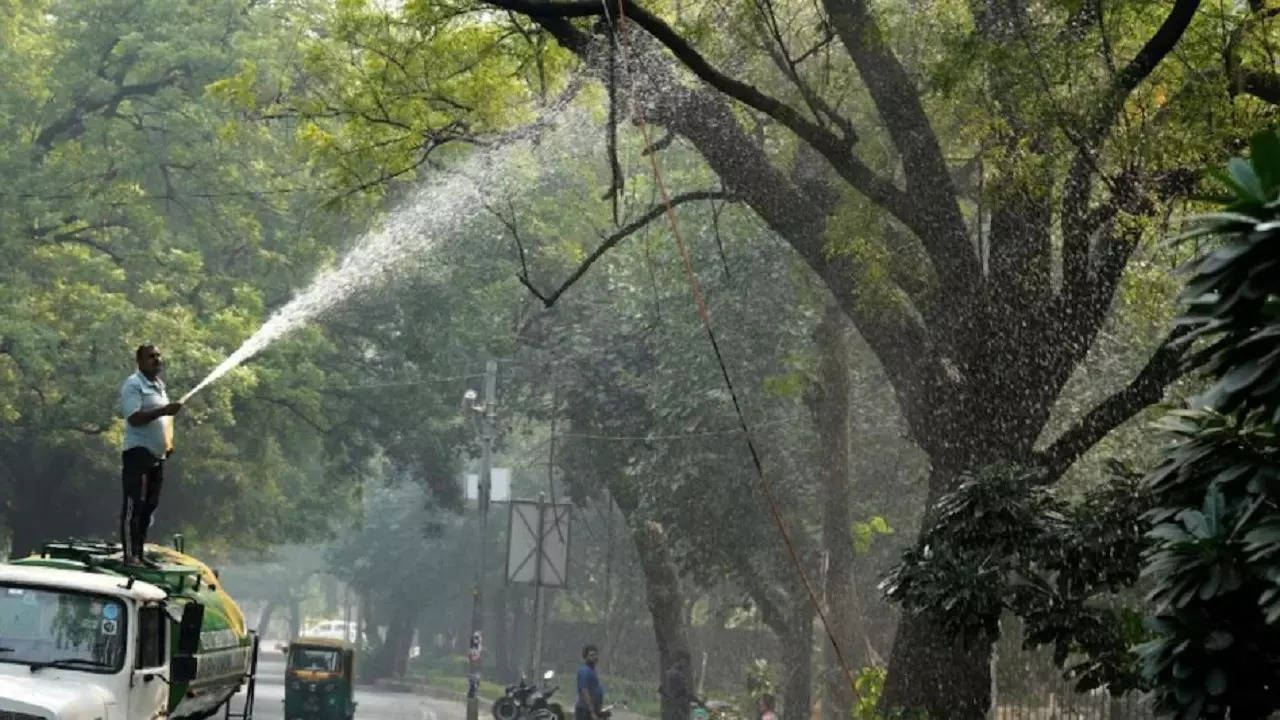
85,637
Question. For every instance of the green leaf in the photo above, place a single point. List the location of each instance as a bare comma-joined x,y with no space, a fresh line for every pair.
1245,181
1264,152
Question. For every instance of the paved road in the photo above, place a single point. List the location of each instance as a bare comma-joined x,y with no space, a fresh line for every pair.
372,703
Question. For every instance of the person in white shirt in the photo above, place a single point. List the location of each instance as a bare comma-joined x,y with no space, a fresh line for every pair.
148,441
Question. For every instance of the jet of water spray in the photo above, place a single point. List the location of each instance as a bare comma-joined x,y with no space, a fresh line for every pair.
429,215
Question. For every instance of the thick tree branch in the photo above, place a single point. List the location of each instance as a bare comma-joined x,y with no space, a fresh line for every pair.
74,238
910,210
1084,169
1146,388
1078,313
789,67
703,117
936,219
1264,85
50,133
612,241
692,59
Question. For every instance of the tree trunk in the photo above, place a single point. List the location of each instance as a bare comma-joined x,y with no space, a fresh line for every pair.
797,663
264,620
930,671
522,627
829,403
295,618
399,640
662,590
330,595
502,633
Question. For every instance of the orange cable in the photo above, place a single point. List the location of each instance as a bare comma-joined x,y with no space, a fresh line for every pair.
765,486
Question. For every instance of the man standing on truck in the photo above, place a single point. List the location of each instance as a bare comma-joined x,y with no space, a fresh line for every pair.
148,441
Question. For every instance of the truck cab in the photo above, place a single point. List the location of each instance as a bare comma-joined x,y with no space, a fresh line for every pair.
83,637
80,646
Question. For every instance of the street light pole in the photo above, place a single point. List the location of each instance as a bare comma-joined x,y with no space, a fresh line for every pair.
487,413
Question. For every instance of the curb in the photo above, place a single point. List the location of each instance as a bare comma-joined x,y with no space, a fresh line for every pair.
420,688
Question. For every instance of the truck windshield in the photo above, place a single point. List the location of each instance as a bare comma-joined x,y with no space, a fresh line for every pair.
43,626
314,659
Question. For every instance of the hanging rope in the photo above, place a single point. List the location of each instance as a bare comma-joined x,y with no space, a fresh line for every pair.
766,486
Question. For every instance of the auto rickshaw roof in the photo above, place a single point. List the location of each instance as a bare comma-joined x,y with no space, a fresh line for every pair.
326,643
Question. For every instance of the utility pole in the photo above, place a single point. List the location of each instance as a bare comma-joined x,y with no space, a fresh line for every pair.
535,647
487,413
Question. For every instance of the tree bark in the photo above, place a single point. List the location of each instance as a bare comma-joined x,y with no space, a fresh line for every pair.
666,604
829,403
522,627
264,620
295,618
929,671
502,633
797,662
399,640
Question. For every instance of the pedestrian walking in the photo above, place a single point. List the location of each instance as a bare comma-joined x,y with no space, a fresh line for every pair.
590,691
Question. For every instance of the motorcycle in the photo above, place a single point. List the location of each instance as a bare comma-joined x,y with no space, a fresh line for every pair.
524,701
539,705
513,701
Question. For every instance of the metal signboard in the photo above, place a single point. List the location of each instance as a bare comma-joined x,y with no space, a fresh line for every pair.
538,543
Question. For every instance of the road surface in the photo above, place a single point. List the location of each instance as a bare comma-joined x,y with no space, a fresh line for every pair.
371,703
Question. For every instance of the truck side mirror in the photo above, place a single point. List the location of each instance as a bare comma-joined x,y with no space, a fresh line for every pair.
189,628
182,668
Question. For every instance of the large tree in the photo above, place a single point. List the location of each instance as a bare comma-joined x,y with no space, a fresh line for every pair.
981,284
970,180
136,208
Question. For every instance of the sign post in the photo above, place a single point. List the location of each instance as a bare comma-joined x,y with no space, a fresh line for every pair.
538,553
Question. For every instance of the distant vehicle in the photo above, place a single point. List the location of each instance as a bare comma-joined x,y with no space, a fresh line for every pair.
334,630
344,630
319,675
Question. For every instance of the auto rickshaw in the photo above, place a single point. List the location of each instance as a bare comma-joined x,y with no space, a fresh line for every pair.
319,677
